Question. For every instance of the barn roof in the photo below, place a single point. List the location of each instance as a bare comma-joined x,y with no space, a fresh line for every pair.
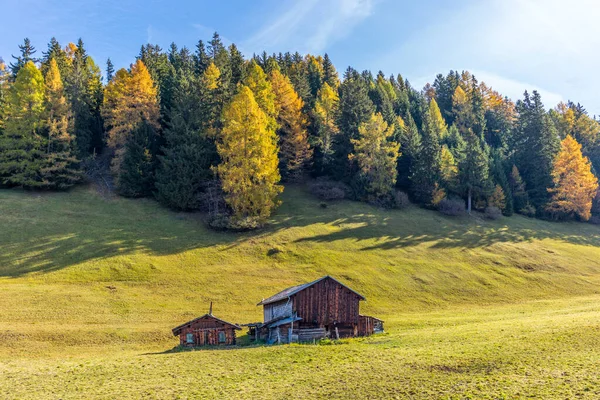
284,294
177,330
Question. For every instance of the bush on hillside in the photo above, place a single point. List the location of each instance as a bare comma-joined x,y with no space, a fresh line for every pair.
224,222
401,200
452,207
327,190
528,211
594,219
492,212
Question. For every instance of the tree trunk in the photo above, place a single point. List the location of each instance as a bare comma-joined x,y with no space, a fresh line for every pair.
469,202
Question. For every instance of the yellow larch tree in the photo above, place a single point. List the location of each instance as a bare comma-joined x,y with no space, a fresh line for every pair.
437,119
60,170
497,199
574,183
248,170
262,90
449,169
326,111
376,155
294,152
129,98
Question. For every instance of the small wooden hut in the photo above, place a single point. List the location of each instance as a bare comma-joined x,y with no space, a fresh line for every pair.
206,330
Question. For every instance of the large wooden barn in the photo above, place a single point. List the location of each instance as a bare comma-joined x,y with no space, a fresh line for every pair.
206,330
314,310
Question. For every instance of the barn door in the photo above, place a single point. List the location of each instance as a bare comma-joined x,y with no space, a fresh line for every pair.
206,338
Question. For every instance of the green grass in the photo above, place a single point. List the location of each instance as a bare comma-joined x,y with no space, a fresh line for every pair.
90,288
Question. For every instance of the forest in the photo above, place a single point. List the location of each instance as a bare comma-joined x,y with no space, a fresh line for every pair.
206,129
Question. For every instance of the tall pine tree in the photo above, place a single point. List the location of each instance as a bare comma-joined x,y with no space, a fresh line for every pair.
536,143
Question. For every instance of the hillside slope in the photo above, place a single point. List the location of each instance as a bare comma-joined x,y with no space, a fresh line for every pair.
103,281
65,249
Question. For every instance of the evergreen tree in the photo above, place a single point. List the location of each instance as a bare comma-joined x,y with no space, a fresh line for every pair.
428,164
445,87
456,143
163,73
315,77
201,58
536,143
136,174
60,170
27,52
185,167
298,76
473,169
517,188
498,175
355,108
83,86
238,65
384,97
248,150
330,75
220,57
575,185
294,151
21,145
4,86
410,146
55,52
376,156
110,70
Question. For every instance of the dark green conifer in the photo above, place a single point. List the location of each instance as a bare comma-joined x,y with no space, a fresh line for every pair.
136,177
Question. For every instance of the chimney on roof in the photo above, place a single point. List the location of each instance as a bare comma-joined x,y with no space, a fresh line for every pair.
210,309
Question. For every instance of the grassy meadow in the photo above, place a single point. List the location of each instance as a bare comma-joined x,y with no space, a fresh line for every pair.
90,287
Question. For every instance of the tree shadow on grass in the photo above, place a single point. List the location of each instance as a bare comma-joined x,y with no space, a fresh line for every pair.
381,231
66,229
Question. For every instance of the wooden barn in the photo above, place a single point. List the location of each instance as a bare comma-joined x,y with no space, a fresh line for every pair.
206,330
314,310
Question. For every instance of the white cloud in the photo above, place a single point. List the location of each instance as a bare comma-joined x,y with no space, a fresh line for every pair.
514,89
310,25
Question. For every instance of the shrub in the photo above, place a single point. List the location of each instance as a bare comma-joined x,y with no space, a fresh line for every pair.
528,211
492,212
401,200
594,220
224,222
328,190
452,207
437,196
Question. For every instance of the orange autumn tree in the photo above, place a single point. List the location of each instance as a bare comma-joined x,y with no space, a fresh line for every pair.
129,98
574,183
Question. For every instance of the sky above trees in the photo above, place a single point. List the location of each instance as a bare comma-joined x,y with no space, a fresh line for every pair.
513,45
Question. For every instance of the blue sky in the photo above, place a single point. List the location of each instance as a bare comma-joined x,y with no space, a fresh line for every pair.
549,45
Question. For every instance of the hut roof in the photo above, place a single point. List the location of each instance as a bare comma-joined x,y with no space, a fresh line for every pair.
177,330
286,293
